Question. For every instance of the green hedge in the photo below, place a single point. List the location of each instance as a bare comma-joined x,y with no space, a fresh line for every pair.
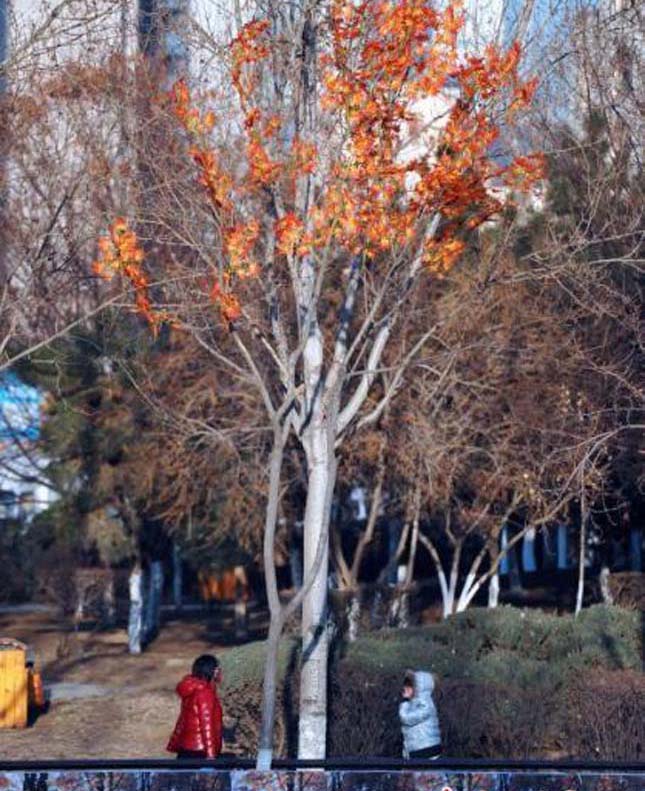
512,684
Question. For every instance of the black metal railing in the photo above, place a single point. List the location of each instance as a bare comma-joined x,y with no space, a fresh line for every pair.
330,764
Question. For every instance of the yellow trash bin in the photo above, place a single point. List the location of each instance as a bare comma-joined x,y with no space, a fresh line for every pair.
13,684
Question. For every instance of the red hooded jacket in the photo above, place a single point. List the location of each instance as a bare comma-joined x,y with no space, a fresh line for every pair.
199,726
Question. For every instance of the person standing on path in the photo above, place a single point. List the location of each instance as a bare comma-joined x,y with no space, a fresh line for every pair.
198,732
418,715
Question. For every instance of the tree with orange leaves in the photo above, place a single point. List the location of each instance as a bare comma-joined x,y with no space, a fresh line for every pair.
308,231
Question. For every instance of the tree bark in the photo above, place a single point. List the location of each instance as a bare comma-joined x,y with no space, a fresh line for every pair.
493,583
109,602
241,614
135,614
605,590
315,640
353,616
265,747
493,591
584,516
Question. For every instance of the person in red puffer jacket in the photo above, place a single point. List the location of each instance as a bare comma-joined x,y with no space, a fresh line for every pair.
198,732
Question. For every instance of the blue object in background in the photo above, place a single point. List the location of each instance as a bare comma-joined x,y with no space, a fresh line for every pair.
563,547
504,563
20,410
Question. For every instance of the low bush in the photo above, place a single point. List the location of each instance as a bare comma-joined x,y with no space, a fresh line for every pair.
606,716
627,589
512,684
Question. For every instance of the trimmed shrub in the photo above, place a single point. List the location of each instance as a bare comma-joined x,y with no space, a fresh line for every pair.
628,589
606,716
512,684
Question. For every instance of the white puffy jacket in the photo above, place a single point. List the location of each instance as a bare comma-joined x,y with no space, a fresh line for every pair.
419,720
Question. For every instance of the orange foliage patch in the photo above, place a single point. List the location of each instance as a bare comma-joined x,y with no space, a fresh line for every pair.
120,254
384,57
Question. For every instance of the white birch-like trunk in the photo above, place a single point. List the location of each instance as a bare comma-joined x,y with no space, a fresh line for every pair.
605,590
493,591
465,596
584,515
449,601
135,614
110,603
353,617
399,615
240,617
315,639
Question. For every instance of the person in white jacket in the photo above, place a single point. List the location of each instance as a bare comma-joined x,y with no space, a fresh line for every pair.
418,715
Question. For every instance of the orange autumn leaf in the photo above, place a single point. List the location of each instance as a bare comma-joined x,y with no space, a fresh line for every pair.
262,169
381,61
288,230
441,255
239,241
247,48
304,156
228,303
121,255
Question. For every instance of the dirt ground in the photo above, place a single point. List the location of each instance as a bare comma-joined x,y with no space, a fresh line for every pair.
105,703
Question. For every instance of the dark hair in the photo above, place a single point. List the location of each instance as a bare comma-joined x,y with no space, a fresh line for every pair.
204,667
408,679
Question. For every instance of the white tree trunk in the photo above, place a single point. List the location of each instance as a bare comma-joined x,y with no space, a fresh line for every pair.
584,516
135,615
241,613
399,614
315,639
109,602
493,591
241,630
353,617
605,590
465,596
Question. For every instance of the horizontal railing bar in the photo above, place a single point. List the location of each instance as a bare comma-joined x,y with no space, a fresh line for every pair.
362,764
